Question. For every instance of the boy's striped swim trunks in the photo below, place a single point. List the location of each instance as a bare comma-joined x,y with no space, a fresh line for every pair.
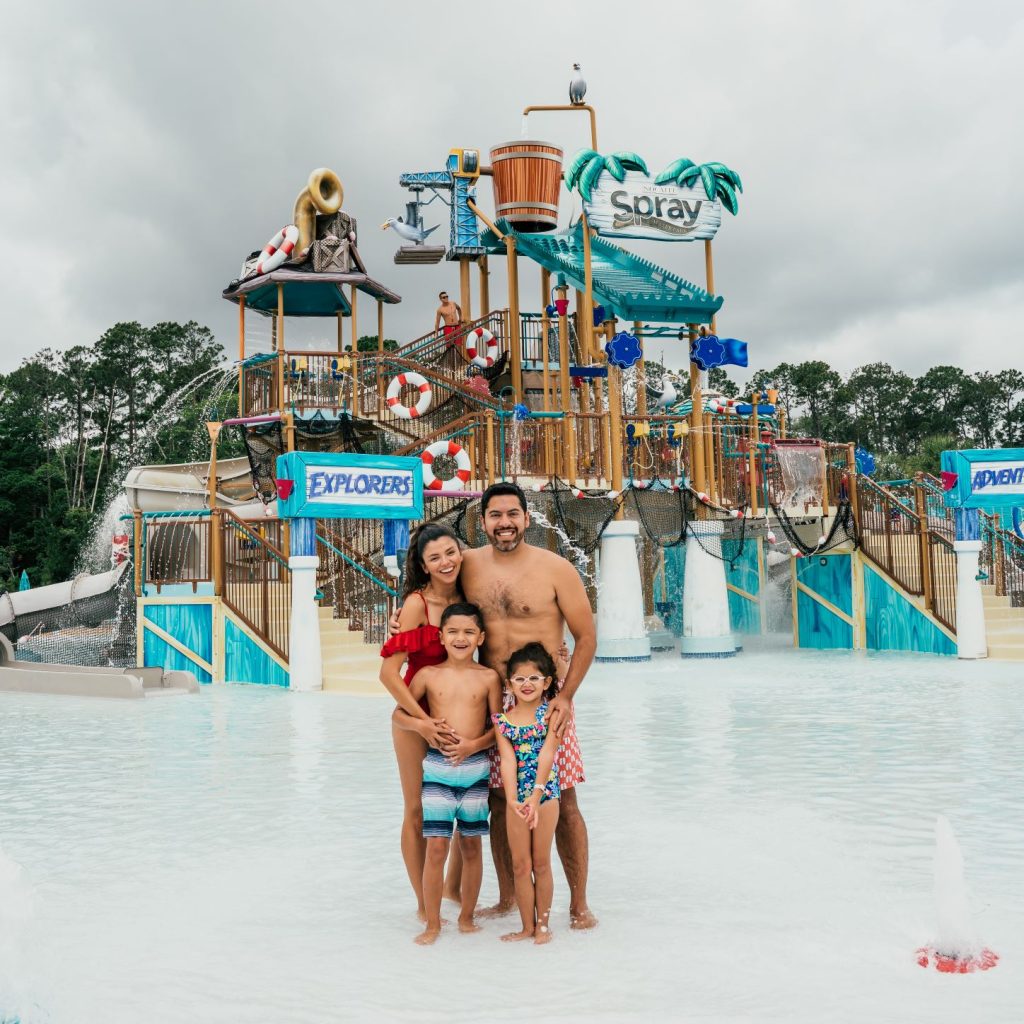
455,793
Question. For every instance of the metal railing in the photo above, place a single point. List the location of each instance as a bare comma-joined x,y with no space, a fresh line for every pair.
890,534
357,588
942,572
251,573
1002,559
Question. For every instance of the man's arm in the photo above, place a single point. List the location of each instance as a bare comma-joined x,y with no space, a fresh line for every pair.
574,605
437,320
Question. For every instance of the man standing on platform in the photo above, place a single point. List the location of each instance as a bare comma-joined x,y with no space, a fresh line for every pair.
449,313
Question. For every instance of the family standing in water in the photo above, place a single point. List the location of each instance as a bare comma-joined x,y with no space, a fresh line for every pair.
493,737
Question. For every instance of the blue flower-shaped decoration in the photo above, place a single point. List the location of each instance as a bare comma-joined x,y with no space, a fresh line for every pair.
709,351
520,411
623,350
864,460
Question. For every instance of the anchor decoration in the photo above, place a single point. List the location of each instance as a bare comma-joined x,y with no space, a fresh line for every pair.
623,350
709,351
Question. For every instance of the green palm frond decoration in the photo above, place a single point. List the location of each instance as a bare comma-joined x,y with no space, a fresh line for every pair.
588,165
720,182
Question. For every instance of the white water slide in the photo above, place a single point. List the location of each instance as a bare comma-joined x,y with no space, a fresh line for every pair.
185,487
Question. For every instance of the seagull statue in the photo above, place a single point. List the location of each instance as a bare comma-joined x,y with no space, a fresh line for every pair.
577,87
666,397
410,232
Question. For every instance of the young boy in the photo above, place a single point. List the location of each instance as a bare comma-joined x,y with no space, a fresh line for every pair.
455,780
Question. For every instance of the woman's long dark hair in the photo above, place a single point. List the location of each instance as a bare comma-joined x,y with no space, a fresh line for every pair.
536,654
416,575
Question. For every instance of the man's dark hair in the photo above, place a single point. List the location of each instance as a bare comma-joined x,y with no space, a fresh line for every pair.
441,295
462,608
500,490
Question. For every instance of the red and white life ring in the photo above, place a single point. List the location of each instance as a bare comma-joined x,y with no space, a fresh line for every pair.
481,338
403,412
278,249
463,469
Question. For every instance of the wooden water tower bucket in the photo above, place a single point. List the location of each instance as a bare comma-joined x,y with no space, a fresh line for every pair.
527,181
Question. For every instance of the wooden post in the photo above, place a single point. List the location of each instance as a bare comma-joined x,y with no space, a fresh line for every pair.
355,322
921,508
515,344
140,569
615,419
782,424
588,280
545,324
491,466
564,387
697,477
851,474
289,431
279,342
242,411
485,286
213,429
380,352
641,372
709,274
752,464
465,291
216,551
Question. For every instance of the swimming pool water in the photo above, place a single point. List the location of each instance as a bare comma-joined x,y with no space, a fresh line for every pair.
761,850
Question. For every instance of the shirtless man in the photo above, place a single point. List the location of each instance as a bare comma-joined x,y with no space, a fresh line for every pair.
527,593
450,313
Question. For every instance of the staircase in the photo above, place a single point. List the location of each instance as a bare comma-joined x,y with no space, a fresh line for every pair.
1004,626
349,664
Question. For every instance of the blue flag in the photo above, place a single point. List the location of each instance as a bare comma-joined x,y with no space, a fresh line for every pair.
709,351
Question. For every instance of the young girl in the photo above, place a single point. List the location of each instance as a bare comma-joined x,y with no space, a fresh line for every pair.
529,776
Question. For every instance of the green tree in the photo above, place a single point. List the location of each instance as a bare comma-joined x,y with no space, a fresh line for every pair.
368,343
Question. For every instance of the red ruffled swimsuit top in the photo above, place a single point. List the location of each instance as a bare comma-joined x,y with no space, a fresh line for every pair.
422,645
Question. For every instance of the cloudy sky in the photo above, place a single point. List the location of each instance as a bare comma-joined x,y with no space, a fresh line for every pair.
147,148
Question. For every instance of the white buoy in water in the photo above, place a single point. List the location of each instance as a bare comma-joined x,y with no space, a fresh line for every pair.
621,632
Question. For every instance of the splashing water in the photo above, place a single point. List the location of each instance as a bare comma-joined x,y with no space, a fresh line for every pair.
955,935
524,127
576,554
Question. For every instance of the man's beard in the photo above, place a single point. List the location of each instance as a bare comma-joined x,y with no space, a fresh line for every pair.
506,543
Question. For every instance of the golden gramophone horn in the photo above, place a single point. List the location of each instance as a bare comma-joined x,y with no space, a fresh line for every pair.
323,194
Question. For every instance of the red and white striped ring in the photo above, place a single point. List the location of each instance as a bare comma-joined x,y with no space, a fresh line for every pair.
481,337
403,412
278,249
463,469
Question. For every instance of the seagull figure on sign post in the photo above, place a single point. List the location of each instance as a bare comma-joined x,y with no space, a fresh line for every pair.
577,87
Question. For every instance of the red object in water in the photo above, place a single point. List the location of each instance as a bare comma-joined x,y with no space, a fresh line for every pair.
951,964
948,480
284,488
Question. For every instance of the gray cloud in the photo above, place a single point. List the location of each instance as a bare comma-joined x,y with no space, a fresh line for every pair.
148,148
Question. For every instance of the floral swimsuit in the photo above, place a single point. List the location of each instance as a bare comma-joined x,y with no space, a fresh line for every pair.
527,741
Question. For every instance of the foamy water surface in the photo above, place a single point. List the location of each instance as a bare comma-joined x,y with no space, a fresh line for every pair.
762,839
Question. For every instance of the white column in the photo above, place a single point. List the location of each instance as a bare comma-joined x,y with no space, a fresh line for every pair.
707,632
305,664
621,635
971,641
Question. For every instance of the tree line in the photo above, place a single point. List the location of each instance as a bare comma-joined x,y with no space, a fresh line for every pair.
73,422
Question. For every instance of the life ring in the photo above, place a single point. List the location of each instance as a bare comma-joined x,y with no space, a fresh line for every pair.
463,469
278,249
473,345
403,412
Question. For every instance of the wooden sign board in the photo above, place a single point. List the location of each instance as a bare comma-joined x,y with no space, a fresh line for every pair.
637,208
